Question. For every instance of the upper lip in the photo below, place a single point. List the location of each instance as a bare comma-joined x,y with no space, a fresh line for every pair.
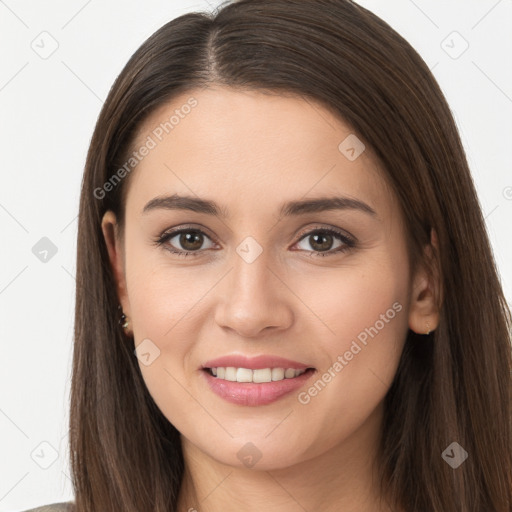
254,363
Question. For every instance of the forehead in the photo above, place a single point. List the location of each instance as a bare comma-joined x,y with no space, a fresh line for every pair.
249,149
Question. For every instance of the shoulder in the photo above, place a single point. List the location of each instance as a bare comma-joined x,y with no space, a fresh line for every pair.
67,506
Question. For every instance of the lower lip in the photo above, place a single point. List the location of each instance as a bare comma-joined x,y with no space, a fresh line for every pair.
251,394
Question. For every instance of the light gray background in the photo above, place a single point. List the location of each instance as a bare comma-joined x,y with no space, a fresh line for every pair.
48,108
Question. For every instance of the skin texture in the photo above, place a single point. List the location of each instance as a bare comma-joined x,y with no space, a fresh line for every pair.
250,152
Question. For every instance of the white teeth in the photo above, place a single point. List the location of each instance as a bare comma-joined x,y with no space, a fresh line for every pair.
258,376
243,375
277,373
264,375
289,373
230,374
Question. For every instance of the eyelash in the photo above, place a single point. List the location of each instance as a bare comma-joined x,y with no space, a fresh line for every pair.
349,243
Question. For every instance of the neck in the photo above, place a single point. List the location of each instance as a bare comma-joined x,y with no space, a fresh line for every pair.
345,475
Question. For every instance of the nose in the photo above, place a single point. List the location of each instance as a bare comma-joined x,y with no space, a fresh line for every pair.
254,298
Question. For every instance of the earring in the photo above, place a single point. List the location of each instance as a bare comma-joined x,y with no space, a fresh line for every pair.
123,322
428,328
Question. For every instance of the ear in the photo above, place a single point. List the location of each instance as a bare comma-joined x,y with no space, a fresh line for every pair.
110,230
426,293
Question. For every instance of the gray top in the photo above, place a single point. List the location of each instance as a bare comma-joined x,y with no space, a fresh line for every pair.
67,506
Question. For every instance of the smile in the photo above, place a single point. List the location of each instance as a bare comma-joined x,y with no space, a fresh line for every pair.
260,375
256,387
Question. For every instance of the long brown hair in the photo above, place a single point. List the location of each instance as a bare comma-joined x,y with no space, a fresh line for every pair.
451,386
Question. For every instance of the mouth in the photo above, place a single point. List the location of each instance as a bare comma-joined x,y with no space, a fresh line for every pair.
254,381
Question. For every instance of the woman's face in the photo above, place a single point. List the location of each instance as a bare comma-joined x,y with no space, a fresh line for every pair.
273,274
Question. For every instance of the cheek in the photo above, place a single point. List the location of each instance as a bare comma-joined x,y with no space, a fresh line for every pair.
365,305
163,296
365,311
165,303
354,297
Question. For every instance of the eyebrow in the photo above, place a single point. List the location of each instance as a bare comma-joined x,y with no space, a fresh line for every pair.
291,208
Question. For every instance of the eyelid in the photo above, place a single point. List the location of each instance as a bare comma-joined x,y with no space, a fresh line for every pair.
322,227
188,227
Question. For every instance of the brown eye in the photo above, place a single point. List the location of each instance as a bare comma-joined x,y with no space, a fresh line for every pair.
321,242
191,240
184,241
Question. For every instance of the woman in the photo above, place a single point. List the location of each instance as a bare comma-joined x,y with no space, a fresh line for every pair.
278,211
